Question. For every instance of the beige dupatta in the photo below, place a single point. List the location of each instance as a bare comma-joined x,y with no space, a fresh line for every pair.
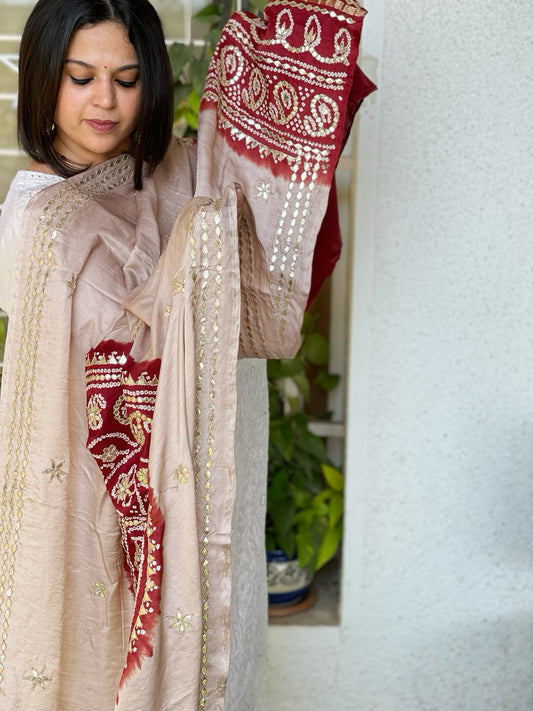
231,279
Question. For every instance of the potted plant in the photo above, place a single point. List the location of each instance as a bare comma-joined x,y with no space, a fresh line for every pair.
304,489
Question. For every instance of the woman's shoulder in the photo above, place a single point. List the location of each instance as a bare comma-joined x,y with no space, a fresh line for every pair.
25,185
182,150
177,171
37,167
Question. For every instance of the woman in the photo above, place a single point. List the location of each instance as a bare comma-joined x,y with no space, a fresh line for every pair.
138,282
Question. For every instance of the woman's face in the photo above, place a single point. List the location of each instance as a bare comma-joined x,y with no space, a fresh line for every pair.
99,97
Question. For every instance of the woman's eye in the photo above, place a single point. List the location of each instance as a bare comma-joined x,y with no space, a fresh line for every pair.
80,82
127,84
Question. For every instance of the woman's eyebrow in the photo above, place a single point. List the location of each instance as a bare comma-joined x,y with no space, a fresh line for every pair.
81,63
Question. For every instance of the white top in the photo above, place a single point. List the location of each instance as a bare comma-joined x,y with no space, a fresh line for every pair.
25,185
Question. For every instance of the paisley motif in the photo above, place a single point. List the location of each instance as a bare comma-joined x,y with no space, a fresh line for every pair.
285,103
342,44
255,94
312,33
324,117
280,84
284,25
230,65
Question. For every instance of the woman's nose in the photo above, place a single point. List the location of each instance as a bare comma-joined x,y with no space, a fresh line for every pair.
104,94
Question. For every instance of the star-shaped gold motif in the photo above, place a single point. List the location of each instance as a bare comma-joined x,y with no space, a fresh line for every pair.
72,284
55,471
180,622
38,678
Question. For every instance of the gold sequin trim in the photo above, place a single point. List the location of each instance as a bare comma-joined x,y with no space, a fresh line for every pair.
206,257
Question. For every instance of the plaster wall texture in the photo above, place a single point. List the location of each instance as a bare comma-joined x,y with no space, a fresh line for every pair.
437,607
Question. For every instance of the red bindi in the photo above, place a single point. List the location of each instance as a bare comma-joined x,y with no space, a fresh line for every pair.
105,66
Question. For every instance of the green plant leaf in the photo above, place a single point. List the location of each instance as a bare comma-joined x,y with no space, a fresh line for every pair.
303,520
181,92
327,381
316,349
270,541
333,477
275,403
308,543
213,36
309,322
305,550
197,73
309,442
336,509
210,14
302,383
180,55
257,5
282,516
287,543
273,369
288,367
192,119
329,546
194,102
324,497
320,507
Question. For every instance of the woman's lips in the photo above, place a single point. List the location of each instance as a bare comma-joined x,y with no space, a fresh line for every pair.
101,126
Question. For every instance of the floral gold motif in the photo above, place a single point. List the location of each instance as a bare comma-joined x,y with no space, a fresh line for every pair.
110,453
99,590
124,488
181,623
263,189
182,474
38,678
55,470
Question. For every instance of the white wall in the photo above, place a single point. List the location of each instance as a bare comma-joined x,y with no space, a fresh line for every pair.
437,610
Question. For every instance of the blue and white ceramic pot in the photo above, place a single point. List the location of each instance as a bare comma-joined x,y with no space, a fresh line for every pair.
287,583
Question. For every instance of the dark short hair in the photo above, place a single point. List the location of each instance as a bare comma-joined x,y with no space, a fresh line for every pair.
43,49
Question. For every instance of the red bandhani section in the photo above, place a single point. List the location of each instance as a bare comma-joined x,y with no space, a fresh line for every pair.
328,246
120,404
286,86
